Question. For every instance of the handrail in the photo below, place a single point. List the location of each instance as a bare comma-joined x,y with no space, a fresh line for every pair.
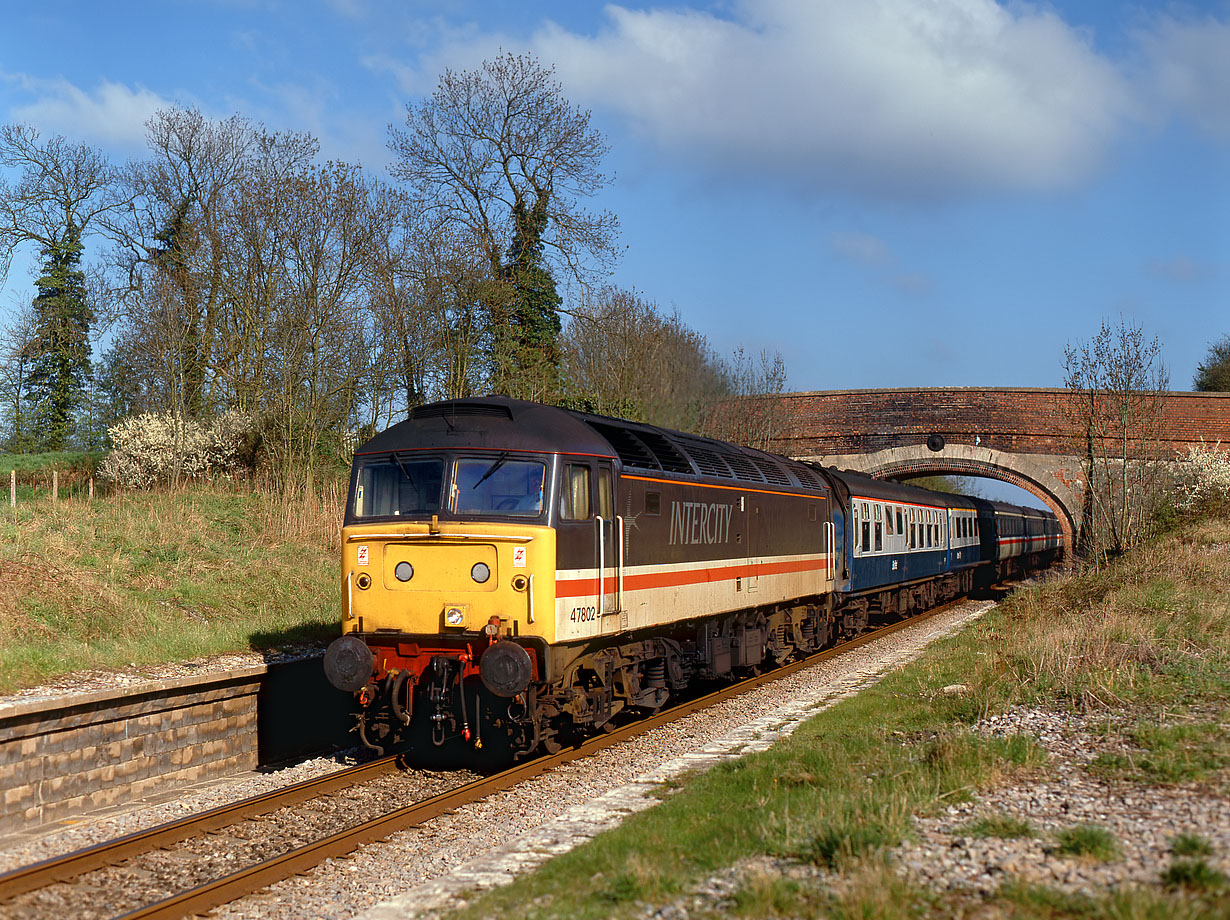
601,562
619,603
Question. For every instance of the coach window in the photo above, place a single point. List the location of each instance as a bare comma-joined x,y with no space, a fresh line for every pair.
866,536
879,537
574,493
900,529
888,520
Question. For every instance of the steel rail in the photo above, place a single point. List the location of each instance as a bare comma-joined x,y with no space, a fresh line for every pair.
70,865
261,875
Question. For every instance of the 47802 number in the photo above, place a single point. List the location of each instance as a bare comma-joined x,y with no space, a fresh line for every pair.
583,614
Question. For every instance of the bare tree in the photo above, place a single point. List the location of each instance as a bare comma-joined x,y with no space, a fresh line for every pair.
1119,386
623,357
318,336
18,340
499,152
430,285
752,414
64,188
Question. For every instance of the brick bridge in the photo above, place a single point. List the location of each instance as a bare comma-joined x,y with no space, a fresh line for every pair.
1021,436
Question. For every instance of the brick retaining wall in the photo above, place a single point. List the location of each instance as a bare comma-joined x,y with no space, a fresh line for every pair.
60,757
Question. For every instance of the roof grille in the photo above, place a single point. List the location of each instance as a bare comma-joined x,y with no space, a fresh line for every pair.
459,409
668,455
708,462
742,467
631,449
772,472
806,477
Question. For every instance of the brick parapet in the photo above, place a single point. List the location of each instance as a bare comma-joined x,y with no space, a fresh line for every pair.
67,755
1015,420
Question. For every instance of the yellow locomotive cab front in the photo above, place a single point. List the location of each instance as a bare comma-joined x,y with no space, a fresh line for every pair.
421,579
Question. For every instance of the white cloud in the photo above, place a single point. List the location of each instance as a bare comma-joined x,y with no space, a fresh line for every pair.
900,98
111,115
1187,70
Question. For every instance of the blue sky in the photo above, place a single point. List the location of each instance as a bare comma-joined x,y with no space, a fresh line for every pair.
888,192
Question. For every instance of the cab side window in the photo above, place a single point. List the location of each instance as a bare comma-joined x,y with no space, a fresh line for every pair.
574,493
606,499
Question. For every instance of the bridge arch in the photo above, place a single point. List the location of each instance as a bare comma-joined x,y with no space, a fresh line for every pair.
1058,487
909,469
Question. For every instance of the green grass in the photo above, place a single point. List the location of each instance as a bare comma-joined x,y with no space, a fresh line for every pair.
77,461
1190,845
1193,874
1169,753
141,578
1001,825
1090,840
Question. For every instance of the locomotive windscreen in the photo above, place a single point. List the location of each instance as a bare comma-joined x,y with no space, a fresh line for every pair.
397,487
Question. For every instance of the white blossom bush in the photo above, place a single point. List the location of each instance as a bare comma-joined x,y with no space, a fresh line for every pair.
1204,476
154,448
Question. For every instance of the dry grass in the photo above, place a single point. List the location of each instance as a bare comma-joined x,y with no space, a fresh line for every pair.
145,577
1128,631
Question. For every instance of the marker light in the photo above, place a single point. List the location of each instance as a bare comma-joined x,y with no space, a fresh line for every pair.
480,573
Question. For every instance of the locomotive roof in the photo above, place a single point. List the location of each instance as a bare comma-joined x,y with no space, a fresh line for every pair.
493,423
500,423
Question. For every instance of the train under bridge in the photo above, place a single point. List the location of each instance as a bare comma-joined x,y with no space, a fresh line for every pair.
1026,437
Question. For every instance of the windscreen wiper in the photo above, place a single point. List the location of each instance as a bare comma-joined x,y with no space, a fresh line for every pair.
495,466
405,470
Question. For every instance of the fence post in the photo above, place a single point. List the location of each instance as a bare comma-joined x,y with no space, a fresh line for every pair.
55,485
13,488
91,488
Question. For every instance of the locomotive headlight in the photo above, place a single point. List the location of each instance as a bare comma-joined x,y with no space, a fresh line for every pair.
454,616
481,572
404,571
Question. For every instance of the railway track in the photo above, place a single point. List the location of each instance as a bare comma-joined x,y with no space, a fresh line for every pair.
20,885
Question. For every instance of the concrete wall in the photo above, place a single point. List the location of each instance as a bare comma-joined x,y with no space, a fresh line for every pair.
63,756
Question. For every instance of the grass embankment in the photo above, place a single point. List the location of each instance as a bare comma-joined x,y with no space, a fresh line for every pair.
141,578
1149,635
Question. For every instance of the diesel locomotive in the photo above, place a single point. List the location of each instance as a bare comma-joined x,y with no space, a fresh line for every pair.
515,575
